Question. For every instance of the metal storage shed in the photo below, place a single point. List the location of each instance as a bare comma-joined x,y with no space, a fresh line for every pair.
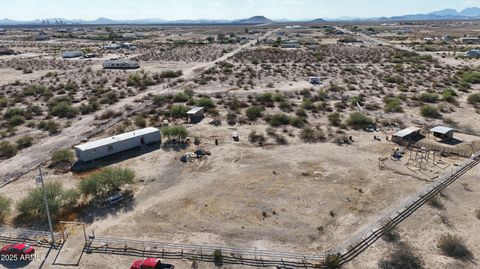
115,144
120,64
442,132
195,114
406,135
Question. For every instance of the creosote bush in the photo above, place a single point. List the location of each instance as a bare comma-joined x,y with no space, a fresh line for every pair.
106,182
7,149
402,258
453,246
5,208
62,156
359,121
429,111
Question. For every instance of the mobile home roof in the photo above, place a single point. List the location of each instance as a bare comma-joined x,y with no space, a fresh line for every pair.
116,138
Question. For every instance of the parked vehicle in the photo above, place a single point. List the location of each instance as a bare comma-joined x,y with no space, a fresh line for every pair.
17,250
150,263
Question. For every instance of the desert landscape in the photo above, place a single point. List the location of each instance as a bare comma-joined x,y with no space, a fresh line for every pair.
350,144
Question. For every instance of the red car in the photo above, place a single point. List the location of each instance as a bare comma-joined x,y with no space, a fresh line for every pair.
18,250
150,263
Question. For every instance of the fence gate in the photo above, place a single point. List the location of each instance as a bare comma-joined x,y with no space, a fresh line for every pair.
74,236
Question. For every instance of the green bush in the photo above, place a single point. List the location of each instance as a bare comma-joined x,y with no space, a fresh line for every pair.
33,207
471,77
181,97
264,98
7,149
392,105
474,99
218,257
205,102
453,246
297,122
333,261
16,120
448,95
140,121
402,258
310,135
63,110
335,119
254,112
278,119
171,74
106,182
62,156
5,208
51,126
24,142
176,132
429,97
179,111
359,121
430,111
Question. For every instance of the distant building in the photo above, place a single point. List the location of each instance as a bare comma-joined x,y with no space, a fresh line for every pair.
290,44
120,64
42,36
115,144
195,114
6,51
314,80
447,38
473,54
470,40
72,54
442,132
112,47
408,135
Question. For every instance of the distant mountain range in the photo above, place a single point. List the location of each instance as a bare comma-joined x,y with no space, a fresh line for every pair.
472,13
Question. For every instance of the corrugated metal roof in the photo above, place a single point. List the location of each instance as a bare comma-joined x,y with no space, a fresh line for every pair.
441,129
406,131
195,110
116,138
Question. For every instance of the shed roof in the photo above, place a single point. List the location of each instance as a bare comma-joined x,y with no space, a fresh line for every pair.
407,131
116,138
195,110
441,129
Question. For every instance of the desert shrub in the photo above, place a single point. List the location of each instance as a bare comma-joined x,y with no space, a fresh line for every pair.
453,246
205,102
33,207
16,120
402,258
140,121
394,79
63,110
176,132
253,137
359,121
106,182
474,99
218,257
7,149
448,95
297,122
180,97
333,261
264,98
62,156
428,97
160,100
171,74
471,77
392,105
24,142
310,135
436,203
335,119
253,112
430,111
278,119
51,126
3,102
5,207
179,111
11,112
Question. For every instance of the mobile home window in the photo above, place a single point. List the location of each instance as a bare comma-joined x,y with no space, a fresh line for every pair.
110,148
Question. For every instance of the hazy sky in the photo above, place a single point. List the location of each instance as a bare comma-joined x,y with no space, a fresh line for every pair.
220,9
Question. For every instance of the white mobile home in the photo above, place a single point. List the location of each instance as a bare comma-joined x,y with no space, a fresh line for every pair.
120,64
72,54
314,80
115,144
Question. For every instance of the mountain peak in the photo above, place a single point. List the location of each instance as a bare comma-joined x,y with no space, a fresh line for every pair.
256,20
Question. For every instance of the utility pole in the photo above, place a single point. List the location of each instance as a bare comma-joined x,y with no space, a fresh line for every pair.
45,200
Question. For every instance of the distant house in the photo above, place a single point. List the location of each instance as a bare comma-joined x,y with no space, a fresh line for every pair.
470,40
473,54
442,132
405,136
195,114
72,54
447,38
6,51
120,64
112,47
290,44
42,36
314,80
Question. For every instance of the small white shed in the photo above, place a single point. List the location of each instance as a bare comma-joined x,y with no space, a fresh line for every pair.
314,80
115,144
